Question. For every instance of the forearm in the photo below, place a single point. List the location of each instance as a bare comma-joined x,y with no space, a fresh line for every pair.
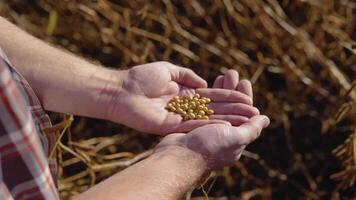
63,82
168,174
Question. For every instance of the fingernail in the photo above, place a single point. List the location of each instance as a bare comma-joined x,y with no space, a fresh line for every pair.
256,110
227,123
224,122
265,121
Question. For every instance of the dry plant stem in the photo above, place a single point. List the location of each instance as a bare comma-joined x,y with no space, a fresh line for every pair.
67,124
89,156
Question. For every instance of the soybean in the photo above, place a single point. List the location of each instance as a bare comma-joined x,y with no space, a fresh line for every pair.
191,107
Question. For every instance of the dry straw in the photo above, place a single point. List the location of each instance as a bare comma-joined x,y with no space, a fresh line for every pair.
299,55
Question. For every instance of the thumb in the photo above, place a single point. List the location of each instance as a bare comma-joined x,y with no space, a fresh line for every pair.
249,131
187,77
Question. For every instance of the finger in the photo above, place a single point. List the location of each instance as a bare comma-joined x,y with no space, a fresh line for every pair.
219,81
245,87
223,95
231,79
189,125
249,131
171,89
187,77
235,120
234,108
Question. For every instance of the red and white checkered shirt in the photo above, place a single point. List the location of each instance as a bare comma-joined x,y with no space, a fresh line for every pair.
25,170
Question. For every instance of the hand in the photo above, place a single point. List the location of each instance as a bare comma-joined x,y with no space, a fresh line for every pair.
235,112
147,89
219,144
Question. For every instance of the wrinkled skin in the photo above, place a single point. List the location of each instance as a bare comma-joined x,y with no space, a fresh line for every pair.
219,144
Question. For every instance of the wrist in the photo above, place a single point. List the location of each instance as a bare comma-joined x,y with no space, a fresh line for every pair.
183,165
94,91
167,174
184,157
109,93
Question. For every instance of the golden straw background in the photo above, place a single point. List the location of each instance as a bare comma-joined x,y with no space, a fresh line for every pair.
299,55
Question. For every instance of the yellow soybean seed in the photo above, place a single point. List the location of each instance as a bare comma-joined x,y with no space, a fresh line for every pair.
200,107
185,106
210,112
191,115
205,117
190,107
180,111
202,101
172,108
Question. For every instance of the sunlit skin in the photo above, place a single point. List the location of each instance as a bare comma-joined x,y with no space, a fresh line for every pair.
219,144
180,160
137,98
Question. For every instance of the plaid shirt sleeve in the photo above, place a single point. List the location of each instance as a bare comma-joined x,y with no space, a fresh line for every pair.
24,168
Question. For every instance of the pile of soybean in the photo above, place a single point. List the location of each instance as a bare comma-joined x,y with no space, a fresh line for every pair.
192,107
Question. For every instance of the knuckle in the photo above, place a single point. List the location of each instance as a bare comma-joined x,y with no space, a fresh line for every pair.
231,71
248,100
245,81
255,111
190,71
236,108
164,63
254,129
232,94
